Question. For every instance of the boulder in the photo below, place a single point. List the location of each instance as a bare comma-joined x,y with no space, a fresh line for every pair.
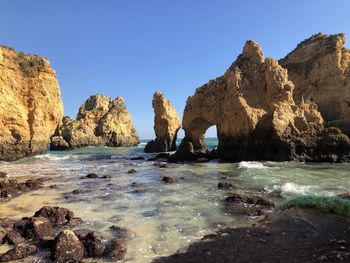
116,249
101,121
166,125
319,68
56,215
67,248
38,228
94,244
257,118
30,104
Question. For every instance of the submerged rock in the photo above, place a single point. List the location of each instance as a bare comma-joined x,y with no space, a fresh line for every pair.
248,205
225,185
132,171
30,104
257,118
10,187
168,180
166,125
101,121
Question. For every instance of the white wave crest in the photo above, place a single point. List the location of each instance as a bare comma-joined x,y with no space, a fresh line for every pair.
292,188
251,165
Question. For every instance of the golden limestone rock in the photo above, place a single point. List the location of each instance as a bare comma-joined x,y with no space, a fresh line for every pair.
166,125
256,117
101,121
320,70
30,104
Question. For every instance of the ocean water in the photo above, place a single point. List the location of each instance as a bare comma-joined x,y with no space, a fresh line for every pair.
162,218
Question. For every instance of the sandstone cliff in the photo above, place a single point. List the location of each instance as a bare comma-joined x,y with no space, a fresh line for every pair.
256,116
30,104
101,121
320,70
166,125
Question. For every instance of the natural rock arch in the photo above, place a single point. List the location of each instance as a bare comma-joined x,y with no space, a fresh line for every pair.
256,116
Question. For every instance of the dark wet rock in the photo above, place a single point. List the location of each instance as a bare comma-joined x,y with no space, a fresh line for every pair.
38,228
138,191
116,249
67,248
3,175
300,235
168,180
46,242
344,196
2,235
19,252
137,158
225,185
79,191
20,224
11,187
132,171
162,156
94,244
120,232
248,205
92,176
107,176
56,215
134,184
13,238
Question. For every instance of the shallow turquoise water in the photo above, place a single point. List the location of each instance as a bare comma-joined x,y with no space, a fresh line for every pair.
163,218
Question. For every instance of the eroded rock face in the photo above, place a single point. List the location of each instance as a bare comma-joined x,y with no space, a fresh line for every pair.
166,125
320,70
256,116
30,104
101,121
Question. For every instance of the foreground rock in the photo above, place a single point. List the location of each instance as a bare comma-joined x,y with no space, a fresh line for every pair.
50,230
30,104
101,121
256,116
299,235
319,68
166,125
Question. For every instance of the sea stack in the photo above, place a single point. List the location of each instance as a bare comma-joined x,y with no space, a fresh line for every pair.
257,117
30,104
320,70
166,125
101,121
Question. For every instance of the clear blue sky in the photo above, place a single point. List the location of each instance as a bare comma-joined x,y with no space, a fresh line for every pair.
133,48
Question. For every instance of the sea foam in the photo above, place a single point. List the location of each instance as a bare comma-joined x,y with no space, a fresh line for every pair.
251,165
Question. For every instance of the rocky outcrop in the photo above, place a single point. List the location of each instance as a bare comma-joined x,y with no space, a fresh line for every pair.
320,70
101,121
30,104
256,116
166,125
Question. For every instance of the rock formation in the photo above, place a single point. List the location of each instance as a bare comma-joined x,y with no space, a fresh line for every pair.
166,125
101,121
256,117
320,70
30,104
